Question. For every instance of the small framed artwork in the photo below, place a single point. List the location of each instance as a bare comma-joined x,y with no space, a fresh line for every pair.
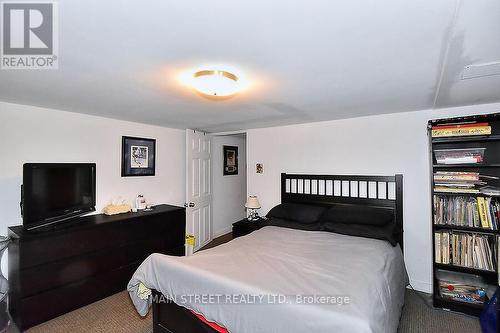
259,168
230,160
138,156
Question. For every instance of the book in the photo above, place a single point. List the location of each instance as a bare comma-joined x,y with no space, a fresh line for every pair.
459,156
446,248
461,131
437,247
459,125
445,189
456,184
477,218
456,176
490,190
490,209
481,205
495,213
461,160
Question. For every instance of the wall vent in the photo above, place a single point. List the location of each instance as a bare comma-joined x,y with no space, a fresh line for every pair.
481,70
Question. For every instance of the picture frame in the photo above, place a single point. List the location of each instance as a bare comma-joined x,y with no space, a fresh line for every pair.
138,156
230,157
259,168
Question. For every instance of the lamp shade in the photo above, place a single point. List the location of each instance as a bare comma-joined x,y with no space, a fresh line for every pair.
252,202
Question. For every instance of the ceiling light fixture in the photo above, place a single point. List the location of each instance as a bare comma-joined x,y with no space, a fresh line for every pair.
215,82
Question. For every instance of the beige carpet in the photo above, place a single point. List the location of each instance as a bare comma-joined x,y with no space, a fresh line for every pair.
419,318
112,314
116,314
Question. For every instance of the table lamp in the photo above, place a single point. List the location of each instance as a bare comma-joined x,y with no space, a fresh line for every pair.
252,205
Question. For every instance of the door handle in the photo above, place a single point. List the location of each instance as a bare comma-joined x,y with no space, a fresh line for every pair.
191,204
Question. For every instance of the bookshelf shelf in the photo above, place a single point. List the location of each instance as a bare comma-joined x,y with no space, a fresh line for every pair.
455,240
472,309
450,301
466,194
466,166
463,269
461,139
465,229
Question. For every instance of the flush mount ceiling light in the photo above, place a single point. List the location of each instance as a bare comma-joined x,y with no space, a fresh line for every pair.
215,82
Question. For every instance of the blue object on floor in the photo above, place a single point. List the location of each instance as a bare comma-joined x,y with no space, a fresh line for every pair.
488,318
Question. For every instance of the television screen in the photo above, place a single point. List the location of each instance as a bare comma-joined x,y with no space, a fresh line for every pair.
56,192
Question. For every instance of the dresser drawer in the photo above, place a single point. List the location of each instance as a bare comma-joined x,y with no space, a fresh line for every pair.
52,275
58,246
54,247
55,302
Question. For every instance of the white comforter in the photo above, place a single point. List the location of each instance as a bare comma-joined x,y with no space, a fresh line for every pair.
275,267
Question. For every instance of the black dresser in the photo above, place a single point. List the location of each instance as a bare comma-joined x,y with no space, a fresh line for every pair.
56,271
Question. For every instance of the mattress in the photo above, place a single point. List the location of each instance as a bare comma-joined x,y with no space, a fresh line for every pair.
284,280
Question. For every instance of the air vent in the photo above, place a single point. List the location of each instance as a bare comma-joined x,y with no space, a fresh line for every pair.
481,70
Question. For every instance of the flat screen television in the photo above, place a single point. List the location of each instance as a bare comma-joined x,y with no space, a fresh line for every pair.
56,192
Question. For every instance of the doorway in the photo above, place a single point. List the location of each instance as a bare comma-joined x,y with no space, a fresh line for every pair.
229,181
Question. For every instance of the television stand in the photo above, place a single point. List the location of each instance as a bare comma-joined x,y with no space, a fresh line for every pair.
55,271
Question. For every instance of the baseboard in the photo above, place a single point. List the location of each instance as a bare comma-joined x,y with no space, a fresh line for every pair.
422,286
222,232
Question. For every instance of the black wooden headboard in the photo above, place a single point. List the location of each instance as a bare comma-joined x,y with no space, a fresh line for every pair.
327,190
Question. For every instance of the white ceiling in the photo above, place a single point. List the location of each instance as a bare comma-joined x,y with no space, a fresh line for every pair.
309,60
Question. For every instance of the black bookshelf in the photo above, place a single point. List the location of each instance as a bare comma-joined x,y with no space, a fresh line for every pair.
491,167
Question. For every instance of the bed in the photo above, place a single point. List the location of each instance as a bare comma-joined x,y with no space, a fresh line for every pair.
287,279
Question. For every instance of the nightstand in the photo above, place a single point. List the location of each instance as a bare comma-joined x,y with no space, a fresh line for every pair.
244,227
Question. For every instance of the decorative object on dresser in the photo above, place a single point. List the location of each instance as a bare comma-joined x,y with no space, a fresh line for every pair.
57,271
252,206
244,227
140,202
114,209
138,156
465,155
230,160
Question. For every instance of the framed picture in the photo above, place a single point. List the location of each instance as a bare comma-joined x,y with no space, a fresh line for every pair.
230,160
138,156
259,168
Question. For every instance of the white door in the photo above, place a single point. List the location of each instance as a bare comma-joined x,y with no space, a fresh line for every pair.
198,187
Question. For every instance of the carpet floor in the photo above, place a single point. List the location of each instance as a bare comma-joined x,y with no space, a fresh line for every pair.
116,314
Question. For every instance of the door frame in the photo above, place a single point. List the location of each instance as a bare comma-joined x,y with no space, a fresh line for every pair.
246,166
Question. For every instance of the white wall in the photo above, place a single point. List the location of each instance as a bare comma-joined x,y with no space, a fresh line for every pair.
229,192
377,145
31,134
